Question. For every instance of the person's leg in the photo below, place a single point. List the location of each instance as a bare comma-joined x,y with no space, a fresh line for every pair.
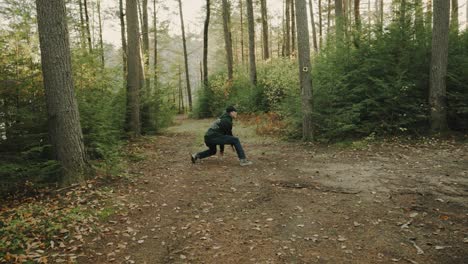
207,153
231,140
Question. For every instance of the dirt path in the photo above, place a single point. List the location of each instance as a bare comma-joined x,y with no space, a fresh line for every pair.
298,203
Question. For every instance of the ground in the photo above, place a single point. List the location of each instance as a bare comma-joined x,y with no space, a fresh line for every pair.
370,202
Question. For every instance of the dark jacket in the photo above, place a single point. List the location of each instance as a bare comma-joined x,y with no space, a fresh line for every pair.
222,126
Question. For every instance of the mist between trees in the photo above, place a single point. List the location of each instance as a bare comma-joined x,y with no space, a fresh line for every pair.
350,70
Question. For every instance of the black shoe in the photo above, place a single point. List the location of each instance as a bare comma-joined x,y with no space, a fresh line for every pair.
194,158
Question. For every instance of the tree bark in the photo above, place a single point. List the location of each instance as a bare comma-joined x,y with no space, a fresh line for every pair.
65,132
134,84
454,17
227,37
88,31
82,26
124,41
205,45
266,50
293,28
339,21
187,76
304,69
438,73
253,66
242,30
288,30
146,90
312,24
101,42
155,65
320,23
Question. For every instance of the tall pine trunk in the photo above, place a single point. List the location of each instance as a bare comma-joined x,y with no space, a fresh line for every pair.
123,38
134,84
305,76
205,45
288,30
339,21
82,26
155,64
184,43
227,37
65,132
87,24
454,17
253,66
320,24
312,24
242,30
293,28
266,51
438,73
101,42
146,92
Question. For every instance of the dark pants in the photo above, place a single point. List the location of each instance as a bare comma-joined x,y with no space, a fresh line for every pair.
221,140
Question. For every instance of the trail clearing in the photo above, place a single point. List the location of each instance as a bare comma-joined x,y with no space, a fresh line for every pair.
298,203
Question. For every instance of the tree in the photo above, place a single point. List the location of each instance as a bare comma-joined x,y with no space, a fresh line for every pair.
304,69
339,21
438,72
134,84
242,30
253,66
205,44
320,23
124,41
266,52
187,76
155,65
227,37
88,31
287,37
101,42
145,110
65,132
312,24
293,27
454,17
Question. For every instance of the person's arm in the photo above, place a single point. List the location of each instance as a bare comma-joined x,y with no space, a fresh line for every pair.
226,127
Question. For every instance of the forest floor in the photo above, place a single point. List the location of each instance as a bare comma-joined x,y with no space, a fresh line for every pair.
298,203
379,202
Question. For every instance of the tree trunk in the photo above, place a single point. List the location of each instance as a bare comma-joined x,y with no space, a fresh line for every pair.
187,76
288,30
88,31
266,50
242,30
65,132
124,41
438,73
146,92
419,22
134,84
357,15
82,26
155,65
428,19
253,66
339,21
101,42
320,23
305,76
293,28
227,37
454,17
328,18
205,45
312,24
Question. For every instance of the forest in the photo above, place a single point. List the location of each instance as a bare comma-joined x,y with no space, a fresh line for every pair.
92,128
